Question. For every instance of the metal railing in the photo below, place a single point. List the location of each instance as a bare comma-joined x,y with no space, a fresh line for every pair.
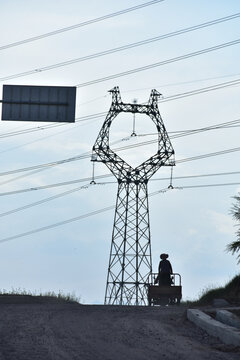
175,277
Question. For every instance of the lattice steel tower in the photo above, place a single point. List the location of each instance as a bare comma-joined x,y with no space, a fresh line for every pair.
130,260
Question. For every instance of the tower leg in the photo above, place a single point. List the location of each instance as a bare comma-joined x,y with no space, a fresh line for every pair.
130,260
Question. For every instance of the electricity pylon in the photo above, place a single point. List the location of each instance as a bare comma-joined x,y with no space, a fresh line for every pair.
130,261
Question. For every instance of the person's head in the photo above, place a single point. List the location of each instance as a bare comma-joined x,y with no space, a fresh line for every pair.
163,256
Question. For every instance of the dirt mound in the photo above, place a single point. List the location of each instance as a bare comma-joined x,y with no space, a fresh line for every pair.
43,331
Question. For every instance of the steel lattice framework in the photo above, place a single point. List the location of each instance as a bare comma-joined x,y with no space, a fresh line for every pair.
130,261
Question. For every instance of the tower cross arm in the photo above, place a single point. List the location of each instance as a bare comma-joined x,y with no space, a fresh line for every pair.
163,158
115,163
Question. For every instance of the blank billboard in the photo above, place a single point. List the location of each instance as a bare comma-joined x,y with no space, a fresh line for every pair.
39,103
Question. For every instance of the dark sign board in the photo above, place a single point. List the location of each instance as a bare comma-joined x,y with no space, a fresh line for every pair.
38,103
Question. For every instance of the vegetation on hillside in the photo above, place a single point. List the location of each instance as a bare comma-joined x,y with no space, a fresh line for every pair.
229,292
48,294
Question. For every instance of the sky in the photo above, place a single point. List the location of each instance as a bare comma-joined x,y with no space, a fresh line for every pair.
192,224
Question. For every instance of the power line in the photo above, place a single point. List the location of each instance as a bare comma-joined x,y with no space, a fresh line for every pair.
121,48
23,176
96,212
86,186
104,176
13,211
57,224
181,133
88,154
161,63
224,125
46,165
204,156
44,137
43,167
44,200
82,24
43,187
208,185
201,90
197,157
50,126
127,147
198,176
101,114
92,117
183,82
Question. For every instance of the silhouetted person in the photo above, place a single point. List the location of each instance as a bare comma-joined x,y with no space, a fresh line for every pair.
164,271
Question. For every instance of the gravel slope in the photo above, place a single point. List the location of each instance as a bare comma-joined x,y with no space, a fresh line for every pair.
31,330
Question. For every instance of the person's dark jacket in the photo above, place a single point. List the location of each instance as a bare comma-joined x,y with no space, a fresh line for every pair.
165,267
164,273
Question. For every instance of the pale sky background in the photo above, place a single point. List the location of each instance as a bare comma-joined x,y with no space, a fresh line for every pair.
192,225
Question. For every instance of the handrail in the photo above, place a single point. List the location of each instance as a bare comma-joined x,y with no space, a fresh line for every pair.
176,279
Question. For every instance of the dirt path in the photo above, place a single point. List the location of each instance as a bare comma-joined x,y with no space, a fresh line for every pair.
37,331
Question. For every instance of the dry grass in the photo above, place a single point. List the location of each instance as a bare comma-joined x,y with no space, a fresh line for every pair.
47,294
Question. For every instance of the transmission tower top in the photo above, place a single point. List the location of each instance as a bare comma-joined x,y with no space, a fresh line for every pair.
123,171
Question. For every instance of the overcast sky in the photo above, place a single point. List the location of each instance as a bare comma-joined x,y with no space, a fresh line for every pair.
193,225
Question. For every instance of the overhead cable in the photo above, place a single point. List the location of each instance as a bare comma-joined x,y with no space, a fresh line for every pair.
48,227
181,133
43,138
100,211
120,48
54,197
201,90
82,24
127,147
64,183
216,153
209,185
198,176
50,164
186,82
102,114
88,155
186,132
104,176
44,166
50,126
160,63
86,186
23,176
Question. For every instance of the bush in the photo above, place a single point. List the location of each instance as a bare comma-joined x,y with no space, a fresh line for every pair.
229,292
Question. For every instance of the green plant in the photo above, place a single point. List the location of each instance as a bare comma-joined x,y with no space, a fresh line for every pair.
234,246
